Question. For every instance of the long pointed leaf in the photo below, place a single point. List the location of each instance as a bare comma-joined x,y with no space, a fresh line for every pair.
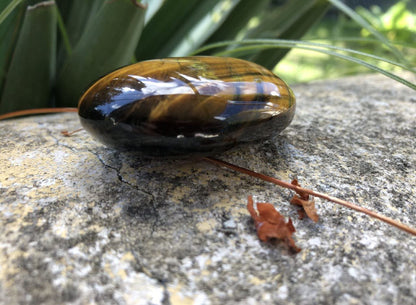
170,25
298,27
250,46
79,14
6,10
108,42
11,18
279,19
194,34
30,76
152,7
237,20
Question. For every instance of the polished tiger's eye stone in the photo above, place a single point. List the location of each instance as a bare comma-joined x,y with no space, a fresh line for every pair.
186,106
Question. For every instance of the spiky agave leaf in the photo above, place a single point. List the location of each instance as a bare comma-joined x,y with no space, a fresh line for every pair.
32,69
108,42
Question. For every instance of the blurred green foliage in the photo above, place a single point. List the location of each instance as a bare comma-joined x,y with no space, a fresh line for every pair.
397,22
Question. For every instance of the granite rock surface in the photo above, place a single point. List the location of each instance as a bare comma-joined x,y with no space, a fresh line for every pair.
84,224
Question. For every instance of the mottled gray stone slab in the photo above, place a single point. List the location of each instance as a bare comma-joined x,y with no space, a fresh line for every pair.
84,224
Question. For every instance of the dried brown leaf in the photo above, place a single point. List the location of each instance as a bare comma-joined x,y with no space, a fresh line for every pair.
271,224
307,205
303,200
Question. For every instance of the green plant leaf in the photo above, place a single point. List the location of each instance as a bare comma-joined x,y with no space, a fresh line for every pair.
295,27
76,18
275,21
108,42
248,45
11,18
6,10
30,75
152,7
361,21
80,13
237,20
253,45
170,26
205,26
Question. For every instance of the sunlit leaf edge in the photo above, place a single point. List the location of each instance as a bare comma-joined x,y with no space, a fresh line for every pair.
254,45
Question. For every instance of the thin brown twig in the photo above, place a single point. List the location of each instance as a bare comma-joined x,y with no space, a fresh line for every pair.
67,133
36,111
298,189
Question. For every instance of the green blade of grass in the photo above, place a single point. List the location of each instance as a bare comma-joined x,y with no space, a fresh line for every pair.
64,35
365,64
365,40
361,21
251,46
64,7
7,10
285,43
108,42
30,75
